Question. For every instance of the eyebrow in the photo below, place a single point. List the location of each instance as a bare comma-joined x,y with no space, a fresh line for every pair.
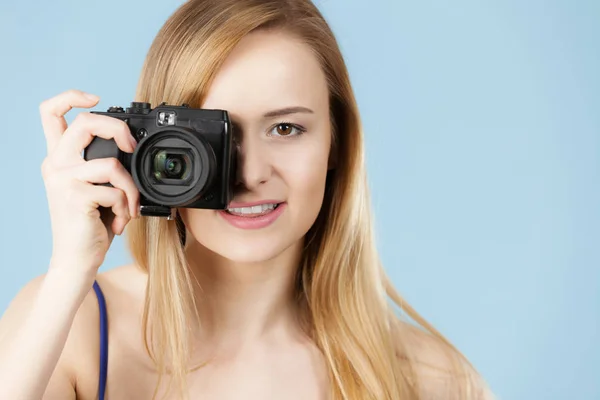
288,111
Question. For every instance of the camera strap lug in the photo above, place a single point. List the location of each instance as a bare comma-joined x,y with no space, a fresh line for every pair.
158,211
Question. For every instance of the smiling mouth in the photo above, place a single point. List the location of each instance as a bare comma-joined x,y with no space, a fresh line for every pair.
254,211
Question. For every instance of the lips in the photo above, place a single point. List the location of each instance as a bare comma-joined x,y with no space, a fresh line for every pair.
253,221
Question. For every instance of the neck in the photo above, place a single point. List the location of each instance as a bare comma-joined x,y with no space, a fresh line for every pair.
239,303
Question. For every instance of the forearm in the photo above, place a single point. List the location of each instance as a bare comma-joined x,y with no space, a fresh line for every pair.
30,351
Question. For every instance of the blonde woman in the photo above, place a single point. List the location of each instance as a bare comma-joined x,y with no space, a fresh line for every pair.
217,305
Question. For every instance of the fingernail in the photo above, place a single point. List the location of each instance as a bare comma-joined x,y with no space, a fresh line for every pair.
92,97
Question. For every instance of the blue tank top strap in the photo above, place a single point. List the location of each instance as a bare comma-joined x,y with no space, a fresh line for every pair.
103,341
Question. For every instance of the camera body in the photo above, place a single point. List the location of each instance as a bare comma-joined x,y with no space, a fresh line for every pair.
184,158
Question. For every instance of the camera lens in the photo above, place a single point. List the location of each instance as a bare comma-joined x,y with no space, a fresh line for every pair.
171,166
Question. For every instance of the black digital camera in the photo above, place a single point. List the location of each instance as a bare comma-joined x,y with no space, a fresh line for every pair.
185,157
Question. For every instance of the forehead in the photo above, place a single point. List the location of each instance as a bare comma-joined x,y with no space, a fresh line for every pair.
265,71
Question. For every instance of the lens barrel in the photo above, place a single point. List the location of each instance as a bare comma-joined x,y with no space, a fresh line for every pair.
173,167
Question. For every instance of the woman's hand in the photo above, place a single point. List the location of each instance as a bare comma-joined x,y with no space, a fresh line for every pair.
81,233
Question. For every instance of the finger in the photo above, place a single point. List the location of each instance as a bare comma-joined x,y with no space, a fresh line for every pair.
83,130
110,170
108,197
53,110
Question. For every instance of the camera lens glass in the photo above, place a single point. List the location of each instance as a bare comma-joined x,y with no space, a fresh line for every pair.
169,165
173,167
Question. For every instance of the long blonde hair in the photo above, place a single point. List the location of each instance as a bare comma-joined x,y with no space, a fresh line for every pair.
341,286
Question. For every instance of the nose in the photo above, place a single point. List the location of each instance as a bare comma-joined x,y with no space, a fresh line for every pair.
253,167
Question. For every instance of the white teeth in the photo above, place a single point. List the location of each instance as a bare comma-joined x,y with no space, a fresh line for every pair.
252,210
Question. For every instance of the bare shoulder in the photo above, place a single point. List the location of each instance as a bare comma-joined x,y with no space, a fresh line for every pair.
77,368
441,372
122,289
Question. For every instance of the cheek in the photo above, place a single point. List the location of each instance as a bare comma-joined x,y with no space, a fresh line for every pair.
303,168
193,218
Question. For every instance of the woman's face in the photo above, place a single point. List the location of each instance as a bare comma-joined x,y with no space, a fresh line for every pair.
277,97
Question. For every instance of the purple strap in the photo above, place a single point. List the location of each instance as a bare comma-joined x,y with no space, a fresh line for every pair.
103,341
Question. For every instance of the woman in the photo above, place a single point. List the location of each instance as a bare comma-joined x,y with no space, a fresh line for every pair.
213,307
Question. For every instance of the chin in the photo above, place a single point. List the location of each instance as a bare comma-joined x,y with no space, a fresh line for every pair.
243,245
249,251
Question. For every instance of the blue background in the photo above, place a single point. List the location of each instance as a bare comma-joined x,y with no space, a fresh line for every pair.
482,124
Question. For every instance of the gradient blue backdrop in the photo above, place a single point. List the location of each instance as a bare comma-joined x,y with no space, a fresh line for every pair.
482,127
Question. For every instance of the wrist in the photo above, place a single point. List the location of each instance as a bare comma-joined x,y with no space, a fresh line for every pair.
68,280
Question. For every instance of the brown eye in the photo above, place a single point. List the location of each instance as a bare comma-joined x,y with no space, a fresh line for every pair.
284,129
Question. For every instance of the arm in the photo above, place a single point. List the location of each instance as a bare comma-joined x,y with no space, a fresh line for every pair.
35,328
33,333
